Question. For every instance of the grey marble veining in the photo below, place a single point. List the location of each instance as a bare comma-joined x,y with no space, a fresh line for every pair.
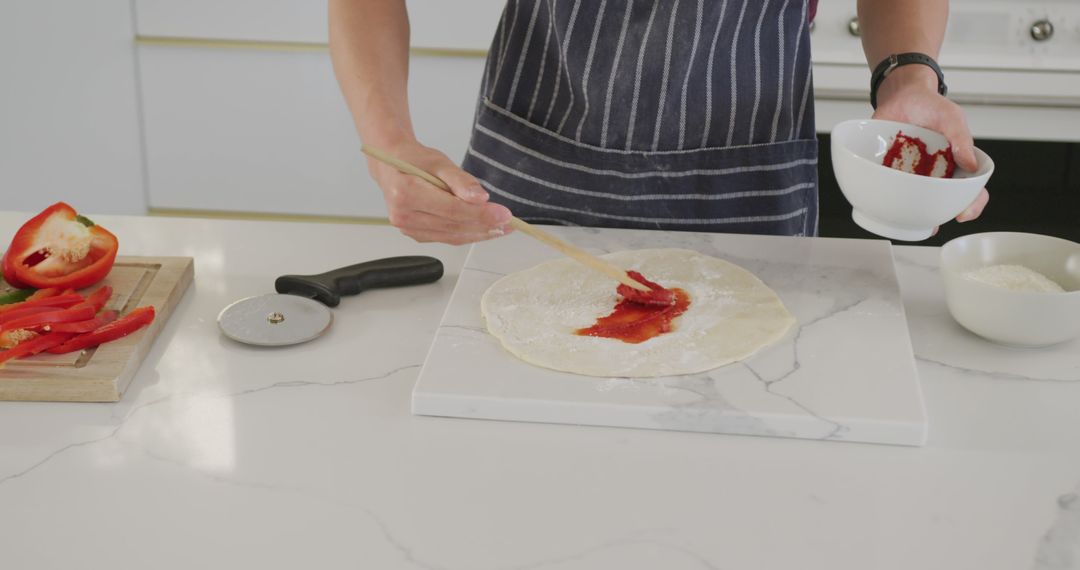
845,372
1060,547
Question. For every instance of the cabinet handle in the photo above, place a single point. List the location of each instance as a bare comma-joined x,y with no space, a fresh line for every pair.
1042,30
853,26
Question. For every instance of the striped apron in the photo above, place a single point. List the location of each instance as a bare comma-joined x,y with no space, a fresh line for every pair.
660,114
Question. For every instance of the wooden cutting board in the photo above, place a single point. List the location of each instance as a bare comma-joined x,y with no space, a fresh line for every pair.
102,374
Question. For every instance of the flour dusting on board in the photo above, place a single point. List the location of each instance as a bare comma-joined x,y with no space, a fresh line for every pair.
732,314
1014,278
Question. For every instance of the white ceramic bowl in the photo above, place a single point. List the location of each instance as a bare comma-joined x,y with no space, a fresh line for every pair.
892,203
1017,318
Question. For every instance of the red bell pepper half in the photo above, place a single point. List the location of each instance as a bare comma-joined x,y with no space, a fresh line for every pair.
59,248
130,323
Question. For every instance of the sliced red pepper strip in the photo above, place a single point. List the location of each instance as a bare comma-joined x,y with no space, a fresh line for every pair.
44,293
59,301
64,301
33,346
59,248
18,313
103,318
38,320
130,323
9,339
98,298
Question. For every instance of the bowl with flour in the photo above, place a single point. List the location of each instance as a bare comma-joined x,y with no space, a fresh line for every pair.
1016,289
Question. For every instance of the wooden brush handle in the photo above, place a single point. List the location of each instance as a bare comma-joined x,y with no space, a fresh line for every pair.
582,256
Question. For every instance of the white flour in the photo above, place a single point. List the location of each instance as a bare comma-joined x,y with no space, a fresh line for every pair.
1014,278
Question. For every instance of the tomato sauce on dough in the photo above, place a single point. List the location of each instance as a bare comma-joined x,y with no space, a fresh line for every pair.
634,321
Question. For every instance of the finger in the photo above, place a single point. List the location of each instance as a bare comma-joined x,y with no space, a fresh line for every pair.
410,196
976,208
956,131
461,183
444,205
424,221
452,238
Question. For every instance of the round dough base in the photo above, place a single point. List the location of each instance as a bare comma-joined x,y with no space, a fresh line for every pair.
732,315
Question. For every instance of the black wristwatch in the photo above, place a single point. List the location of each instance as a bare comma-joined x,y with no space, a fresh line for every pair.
895,60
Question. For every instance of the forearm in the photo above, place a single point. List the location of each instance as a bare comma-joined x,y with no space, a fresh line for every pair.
369,47
891,26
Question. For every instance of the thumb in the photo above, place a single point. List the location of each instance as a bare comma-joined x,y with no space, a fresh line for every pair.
461,183
965,156
963,146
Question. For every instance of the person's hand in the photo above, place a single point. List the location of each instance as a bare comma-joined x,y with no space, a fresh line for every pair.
909,95
429,214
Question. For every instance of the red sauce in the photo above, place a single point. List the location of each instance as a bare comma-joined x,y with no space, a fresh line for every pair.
926,161
634,321
657,296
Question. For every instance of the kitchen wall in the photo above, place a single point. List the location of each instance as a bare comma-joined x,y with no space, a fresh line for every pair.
210,106
69,114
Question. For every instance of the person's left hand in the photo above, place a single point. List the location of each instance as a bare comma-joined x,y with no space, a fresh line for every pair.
909,95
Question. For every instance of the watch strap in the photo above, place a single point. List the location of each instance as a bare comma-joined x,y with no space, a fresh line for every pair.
896,60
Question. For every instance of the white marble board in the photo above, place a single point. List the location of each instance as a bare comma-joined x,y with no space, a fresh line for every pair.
846,372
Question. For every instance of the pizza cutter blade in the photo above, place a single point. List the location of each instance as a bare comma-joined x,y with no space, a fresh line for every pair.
275,320
298,311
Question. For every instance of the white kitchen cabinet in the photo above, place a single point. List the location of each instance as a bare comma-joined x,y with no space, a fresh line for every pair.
1011,85
268,131
251,20
445,24
264,128
68,106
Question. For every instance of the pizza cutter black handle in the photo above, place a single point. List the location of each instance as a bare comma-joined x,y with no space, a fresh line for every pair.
329,287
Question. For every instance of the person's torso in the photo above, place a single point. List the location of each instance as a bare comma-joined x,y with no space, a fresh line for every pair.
655,75
661,114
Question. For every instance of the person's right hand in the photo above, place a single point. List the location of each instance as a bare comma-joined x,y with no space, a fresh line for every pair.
427,213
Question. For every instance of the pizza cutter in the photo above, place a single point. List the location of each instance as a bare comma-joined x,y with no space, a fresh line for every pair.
298,311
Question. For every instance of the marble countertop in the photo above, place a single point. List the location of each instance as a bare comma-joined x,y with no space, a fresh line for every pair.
225,456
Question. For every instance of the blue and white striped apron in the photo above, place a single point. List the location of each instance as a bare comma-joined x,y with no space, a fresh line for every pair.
660,114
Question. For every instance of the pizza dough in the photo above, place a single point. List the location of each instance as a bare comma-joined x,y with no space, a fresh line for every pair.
732,315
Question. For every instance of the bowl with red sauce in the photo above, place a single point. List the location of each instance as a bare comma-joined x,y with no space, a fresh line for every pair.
900,179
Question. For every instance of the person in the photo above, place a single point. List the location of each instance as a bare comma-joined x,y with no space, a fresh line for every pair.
661,114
